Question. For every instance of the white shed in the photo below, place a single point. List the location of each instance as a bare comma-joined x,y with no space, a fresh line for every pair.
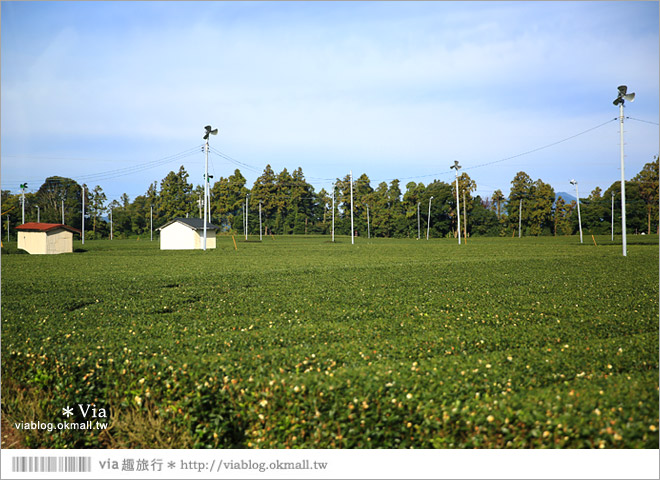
186,234
46,238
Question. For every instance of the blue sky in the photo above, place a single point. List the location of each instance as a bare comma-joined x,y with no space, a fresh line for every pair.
390,89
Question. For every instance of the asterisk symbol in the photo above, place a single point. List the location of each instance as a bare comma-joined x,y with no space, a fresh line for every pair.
68,411
171,465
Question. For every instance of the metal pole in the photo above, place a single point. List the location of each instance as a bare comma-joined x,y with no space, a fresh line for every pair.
578,205
464,219
612,220
333,213
260,221
368,227
151,222
418,224
111,223
428,221
623,186
206,185
352,231
83,215
62,212
520,218
38,215
458,209
22,205
246,216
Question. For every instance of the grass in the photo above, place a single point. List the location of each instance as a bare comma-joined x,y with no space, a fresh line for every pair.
298,342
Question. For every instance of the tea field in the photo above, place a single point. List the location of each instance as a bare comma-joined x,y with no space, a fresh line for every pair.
299,342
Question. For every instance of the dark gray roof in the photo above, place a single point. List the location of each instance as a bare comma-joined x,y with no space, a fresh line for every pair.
194,223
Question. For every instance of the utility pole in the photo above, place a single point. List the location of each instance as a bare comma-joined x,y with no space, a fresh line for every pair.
428,221
456,167
38,215
7,228
209,131
368,227
62,212
151,222
23,187
246,215
623,186
83,214
418,224
206,172
110,223
260,221
464,219
352,231
333,213
621,98
577,195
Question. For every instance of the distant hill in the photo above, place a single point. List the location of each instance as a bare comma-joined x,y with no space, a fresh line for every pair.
568,198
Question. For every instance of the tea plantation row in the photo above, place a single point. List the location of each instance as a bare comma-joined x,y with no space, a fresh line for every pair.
298,342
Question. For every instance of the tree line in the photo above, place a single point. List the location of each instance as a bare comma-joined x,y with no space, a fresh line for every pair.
290,205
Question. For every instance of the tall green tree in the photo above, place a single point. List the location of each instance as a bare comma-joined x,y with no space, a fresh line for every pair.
482,221
465,188
443,209
264,191
323,212
518,203
399,224
301,202
411,204
595,213
648,189
380,212
361,191
228,199
97,206
498,198
561,219
176,199
50,196
139,212
542,198
11,212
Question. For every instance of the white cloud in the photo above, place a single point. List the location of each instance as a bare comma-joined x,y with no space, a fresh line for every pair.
395,87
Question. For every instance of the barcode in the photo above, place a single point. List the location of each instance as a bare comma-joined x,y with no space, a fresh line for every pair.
51,464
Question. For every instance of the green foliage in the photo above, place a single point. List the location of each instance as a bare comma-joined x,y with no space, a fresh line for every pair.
50,196
297,342
289,205
648,180
482,221
228,200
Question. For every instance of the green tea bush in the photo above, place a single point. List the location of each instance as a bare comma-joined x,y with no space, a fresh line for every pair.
296,342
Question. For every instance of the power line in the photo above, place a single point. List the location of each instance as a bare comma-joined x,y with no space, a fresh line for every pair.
644,121
544,146
119,172
111,174
513,156
233,160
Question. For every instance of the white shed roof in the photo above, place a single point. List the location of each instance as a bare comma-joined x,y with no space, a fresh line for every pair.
192,223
